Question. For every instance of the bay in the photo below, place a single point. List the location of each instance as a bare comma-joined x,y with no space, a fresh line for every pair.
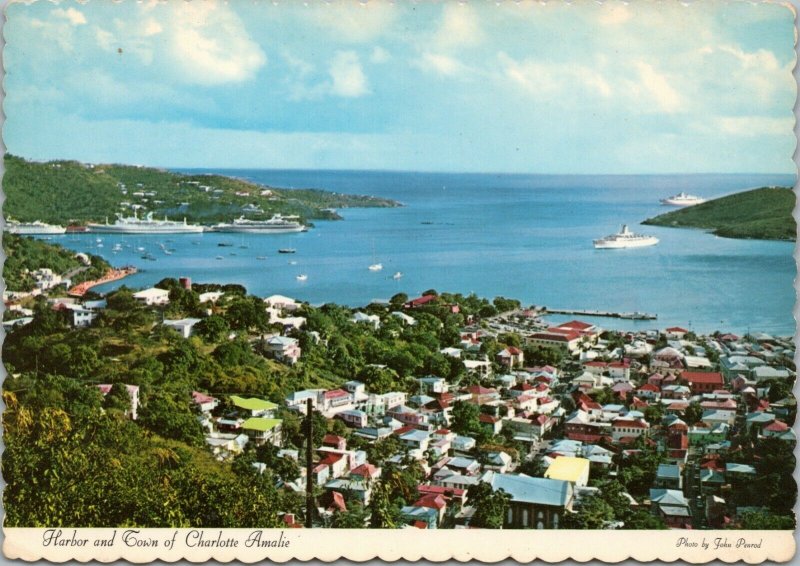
520,236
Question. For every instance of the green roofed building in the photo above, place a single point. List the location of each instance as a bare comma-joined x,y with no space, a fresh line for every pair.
262,430
255,407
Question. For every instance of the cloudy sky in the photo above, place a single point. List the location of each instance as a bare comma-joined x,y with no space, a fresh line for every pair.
581,88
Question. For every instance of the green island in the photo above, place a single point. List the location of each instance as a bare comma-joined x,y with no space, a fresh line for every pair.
69,192
761,214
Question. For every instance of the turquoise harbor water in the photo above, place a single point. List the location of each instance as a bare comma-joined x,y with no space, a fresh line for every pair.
522,236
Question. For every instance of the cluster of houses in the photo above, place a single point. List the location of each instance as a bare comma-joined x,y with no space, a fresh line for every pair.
575,438
685,397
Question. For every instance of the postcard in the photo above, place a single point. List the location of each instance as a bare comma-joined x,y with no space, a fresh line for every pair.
399,280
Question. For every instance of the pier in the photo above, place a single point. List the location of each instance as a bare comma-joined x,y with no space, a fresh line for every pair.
80,289
581,312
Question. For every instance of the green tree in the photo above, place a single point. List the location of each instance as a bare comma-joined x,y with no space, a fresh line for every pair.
118,399
284,468
490,506
398,300
693,413
593,513
466,418
764,520
247,313
170,417
384,514
84,361
212,328
354,518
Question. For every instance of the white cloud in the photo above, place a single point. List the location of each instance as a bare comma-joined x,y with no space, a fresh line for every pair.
614,14
299,66
353,22
656,85
440,64
379,55
211,46
105,39
553,80
73,16
460,26
752,126
152,27
349,80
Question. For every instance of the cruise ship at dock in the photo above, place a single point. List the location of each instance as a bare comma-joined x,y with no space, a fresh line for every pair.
625,239
278,224
32,228
147,225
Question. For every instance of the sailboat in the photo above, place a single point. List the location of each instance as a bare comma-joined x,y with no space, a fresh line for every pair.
397,275
375,265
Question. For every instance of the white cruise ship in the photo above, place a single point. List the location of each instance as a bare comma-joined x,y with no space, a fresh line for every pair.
147,225
278,224
682,199
625,239
37,227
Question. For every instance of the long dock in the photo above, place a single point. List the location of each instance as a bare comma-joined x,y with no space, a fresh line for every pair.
609,314
80,289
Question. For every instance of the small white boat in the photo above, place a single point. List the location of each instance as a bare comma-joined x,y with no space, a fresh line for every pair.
376,267
220,257
397,275
261,257
302,277
682,199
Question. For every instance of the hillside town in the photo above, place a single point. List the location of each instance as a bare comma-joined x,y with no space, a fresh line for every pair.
519,423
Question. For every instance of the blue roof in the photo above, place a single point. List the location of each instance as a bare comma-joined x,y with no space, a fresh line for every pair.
668,471
739,468
669,497
460,462
415,435
526,489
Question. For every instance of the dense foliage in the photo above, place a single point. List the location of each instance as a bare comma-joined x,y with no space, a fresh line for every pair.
65,192
24,254
764,214
68,463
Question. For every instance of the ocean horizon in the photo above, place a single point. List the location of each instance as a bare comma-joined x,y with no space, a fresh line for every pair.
517,235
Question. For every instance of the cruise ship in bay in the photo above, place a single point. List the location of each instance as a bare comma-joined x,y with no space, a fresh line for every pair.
32,228
625,239
682,199
278,224
147,225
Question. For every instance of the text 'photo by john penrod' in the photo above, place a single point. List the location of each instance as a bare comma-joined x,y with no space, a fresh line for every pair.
399,267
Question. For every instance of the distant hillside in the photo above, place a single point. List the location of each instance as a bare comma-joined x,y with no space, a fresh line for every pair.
763,214
64,192
24,254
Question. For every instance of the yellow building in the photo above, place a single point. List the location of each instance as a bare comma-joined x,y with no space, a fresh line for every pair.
573,470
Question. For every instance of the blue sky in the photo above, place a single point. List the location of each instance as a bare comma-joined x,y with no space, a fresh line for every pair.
521,87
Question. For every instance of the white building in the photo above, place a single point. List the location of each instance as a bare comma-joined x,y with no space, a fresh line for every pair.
184,326
284,348
152,296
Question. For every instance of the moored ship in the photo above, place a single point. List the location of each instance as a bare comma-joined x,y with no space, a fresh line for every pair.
625,239
278,224
682,199
147,225
32,228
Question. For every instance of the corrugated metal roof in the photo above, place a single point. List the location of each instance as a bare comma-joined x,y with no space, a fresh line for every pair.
541,491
